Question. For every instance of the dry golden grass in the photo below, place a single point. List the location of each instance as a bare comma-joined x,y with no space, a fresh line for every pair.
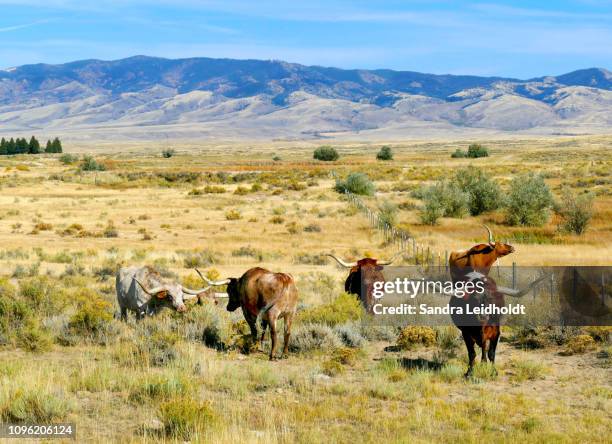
60,219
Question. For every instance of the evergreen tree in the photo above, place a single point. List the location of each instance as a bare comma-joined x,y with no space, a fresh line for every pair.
34,146
21,146
56,145
3,147
11,147
48,147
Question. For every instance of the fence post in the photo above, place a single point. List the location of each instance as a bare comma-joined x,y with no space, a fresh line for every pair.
446,260
603,289
513,274
552,287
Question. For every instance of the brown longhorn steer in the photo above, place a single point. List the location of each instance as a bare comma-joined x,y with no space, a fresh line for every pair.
264,298
479,258
483,330
365,271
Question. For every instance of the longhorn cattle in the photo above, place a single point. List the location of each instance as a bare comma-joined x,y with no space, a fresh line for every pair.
144,291
365,271
264,298
480,257
483,331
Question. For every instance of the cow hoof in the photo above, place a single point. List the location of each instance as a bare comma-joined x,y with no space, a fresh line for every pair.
284,356
273,358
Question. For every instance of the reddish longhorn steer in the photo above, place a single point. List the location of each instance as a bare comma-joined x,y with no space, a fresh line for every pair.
479,258
366,271
264,298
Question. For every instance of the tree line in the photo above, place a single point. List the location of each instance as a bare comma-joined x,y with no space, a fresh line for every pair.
22,146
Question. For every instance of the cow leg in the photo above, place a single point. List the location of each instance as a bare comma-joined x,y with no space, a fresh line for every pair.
492,348
124,314
264,325
469,344
272,317
288,321
483,356
252,325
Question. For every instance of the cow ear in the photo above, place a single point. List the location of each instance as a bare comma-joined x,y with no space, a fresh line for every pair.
161,294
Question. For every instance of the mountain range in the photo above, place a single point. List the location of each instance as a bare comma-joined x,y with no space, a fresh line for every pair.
146,97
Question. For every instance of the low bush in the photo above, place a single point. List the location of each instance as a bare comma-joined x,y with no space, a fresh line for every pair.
575,210
33,406
387,212
483,193
68,159
385,153
356,183
90,164
326,153
342,309
349,335
167,153
311,337
458,154
184,418
233,215
579,344
529,201
476,150
413,336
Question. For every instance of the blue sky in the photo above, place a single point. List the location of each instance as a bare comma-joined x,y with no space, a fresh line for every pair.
517,39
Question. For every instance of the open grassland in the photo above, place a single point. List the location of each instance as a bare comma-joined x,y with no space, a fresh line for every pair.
227,207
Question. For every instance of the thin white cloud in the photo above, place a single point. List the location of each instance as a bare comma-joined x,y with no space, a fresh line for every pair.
24,25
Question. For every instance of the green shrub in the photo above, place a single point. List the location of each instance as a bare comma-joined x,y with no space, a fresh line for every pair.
529,201
443,199
184,418
325,153
385,153
33,406
430,212
92,316
341,310
349,335
168,153
356,183
199,258
483,192
476,150
458,154
575,210
332,368
387,212
90,164
68,159
311,337
411,336
32,337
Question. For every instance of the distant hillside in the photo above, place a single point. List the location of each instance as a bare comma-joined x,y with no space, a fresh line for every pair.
140,97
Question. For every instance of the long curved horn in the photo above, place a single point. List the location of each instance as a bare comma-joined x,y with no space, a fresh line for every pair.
196,292
390,261
209,282
341,262
151,292
490,234
518,293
